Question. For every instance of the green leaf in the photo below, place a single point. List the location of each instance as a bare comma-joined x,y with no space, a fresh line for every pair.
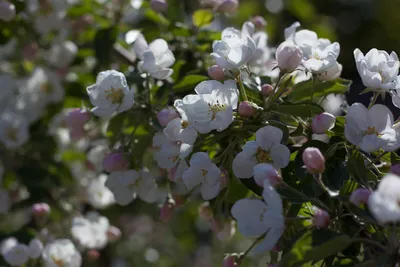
189,82
202,17
314,246
304,110
302,91
358,170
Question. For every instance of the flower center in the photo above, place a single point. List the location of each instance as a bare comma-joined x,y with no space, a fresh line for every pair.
115,95
57,261
12,134
46,88
263,156
204,173
215,108
184,124
371,130
383,76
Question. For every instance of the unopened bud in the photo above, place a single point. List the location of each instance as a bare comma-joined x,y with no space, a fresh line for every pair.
288,56
93,255
7,10
229,261
40,209
322,123
159,5
332,73
321,219
113,233
166,115
265,171
205,211
395,169
313,160
259,22
360,196
267,90
216,72
115,161
246,109
167,210
228,6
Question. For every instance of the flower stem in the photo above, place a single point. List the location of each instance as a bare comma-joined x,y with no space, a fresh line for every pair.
373,101
315,201
252,246
277,91
369,241
314,79
241,86
381,155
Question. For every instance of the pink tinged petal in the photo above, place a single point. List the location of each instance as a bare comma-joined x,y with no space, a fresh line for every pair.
249,215
280,155
243,165
380,117
192,178
207,87
371,143
173,129
162,74
265,171
140,46
268,136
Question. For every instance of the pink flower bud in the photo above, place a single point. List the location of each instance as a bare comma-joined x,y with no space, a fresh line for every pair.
267,90
321,219
113,233
229,261
288,56
166,115
77,118
246,109
228,6
40,209
167,210
314,160
205,211
93,255
159,5
259,22
265,171
30,51
115,161
322,123
7,10
395,169
359,196
216,72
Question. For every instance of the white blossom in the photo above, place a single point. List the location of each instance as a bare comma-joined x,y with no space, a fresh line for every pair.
90,231
62,54
99,196
384,202
181,132
35,248
203,172
267,148
371,129
334,104
236,48
14,130
8,244
61,252
17,255
167,153
319,54
125,185
110,94
256,217
378,70
156,57
212,107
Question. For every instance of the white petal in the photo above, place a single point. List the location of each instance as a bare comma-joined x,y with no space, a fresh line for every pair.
248,213
270,240
280,155
192,178
381,117
268,136
243,165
